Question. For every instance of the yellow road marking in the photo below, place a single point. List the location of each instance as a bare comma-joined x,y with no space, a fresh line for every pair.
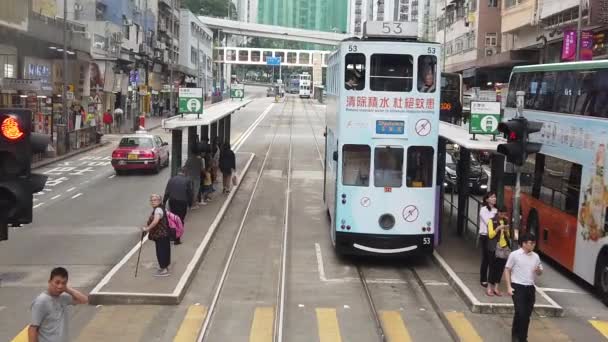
601,326
465,330
393,326
22,336
261,327
329,330
188,330
119,323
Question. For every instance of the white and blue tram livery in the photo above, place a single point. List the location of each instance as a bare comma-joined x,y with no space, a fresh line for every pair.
305,83
382,125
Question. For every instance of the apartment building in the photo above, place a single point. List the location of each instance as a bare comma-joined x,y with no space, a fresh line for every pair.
381,10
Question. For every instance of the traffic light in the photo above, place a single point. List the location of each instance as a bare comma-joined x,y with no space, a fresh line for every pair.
518,146
17,183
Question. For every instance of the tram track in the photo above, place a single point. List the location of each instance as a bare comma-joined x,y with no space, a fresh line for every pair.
215,303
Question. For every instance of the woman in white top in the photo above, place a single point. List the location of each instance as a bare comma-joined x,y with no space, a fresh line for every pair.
486,213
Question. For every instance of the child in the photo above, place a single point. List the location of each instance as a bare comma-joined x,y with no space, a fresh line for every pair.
207,184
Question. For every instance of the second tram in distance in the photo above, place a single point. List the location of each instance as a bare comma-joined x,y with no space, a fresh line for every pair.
383,104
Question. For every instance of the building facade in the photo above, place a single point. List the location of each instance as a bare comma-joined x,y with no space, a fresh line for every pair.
381,10
196,51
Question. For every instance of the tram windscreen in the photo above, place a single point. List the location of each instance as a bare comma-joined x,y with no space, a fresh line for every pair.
355,165
388,167
391,72
427,66
420,166
354,75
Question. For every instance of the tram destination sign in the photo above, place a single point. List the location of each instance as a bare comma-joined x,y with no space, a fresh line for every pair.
485,117
237,91
390,127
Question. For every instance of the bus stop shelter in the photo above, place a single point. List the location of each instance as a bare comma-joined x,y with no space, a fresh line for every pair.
460,136
213,123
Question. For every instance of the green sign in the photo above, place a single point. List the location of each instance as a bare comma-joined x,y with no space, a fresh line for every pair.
237,91
191,100
485,117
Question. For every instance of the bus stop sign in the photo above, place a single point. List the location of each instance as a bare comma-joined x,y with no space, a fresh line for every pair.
237,91
191,100
485,117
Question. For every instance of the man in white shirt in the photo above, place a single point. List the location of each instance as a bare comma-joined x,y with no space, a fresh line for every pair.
521,270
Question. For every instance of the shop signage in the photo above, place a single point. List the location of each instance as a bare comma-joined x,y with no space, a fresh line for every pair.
485,117
569,45
38,69
191,100
20,85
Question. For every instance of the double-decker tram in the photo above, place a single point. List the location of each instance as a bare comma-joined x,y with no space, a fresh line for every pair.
305,84
380,183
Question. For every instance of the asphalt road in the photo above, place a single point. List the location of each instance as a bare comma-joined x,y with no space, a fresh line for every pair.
88,220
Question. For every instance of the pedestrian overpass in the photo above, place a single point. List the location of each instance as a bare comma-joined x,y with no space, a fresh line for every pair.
274,32
258,56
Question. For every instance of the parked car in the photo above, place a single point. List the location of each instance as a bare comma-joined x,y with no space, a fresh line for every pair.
140,151
478,178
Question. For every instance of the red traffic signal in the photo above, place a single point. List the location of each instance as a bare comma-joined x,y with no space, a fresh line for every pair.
11,128
518,147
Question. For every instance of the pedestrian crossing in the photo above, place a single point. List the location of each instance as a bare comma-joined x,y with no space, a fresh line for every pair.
131,323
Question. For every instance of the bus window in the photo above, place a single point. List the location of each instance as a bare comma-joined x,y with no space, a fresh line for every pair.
420,166
388,167
427,66
565,92
355,165
391,72
354,75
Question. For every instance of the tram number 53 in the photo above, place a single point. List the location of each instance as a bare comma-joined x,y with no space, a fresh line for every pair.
394,28
426,241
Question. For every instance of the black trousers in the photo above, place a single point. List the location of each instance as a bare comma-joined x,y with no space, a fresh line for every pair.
497,267
179,208
163,252
485,259
523,300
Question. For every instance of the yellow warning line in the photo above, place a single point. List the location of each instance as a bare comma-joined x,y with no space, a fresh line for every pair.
22,336
393,326
188,330
601,326
261,327
463,327
329,330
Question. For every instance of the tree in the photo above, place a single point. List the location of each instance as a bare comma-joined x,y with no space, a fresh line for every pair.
211,8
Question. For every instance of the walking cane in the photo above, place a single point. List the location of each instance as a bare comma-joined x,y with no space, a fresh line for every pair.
141,241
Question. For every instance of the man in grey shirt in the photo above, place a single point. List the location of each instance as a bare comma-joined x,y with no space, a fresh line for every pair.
49,309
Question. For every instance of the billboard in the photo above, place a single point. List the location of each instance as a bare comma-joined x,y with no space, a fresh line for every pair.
13,13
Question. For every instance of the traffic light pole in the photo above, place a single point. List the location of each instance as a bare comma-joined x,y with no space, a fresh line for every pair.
516,218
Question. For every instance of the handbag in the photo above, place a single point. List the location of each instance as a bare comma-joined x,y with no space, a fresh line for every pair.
502,252
161,230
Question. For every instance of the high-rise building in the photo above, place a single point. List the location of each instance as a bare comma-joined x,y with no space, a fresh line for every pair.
381,10
321,15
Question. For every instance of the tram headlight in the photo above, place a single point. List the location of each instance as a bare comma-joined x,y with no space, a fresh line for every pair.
386,221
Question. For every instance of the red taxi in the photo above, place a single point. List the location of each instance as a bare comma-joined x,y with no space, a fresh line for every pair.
140,151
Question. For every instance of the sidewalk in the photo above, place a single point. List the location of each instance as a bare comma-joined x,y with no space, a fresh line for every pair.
119,285
459,260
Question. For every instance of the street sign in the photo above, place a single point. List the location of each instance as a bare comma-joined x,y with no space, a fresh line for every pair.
69,95
191,100
237,91
273,61
485,117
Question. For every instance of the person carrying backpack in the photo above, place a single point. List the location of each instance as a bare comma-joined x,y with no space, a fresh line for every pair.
176,227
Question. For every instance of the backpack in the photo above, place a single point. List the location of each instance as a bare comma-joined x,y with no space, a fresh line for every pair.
175,223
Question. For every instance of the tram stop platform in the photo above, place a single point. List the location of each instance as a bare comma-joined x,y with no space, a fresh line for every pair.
120,286
459,259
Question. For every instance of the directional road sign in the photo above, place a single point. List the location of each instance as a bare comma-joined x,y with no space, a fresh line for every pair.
273,61
191,100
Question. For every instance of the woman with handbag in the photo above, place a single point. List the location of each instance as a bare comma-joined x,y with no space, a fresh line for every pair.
498,245
486,213
158,231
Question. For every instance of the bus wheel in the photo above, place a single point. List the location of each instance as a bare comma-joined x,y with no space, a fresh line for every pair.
532,226
601,275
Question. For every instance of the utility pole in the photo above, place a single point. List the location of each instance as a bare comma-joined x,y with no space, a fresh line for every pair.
445,30
579,34
171,63
64,93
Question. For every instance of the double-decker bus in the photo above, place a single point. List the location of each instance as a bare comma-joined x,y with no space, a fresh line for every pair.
305,84
380,183
566,205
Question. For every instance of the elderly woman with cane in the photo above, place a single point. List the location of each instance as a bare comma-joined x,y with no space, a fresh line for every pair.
158,231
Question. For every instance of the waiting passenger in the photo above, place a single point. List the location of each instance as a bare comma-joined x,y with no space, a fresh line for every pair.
429,83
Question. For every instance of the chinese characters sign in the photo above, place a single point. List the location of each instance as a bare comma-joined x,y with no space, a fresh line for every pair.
569,45
382,104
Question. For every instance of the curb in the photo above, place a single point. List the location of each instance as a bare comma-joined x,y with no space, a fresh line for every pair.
50,161
97,297
476,306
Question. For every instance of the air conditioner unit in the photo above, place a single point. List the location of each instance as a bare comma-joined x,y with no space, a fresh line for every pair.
490,51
